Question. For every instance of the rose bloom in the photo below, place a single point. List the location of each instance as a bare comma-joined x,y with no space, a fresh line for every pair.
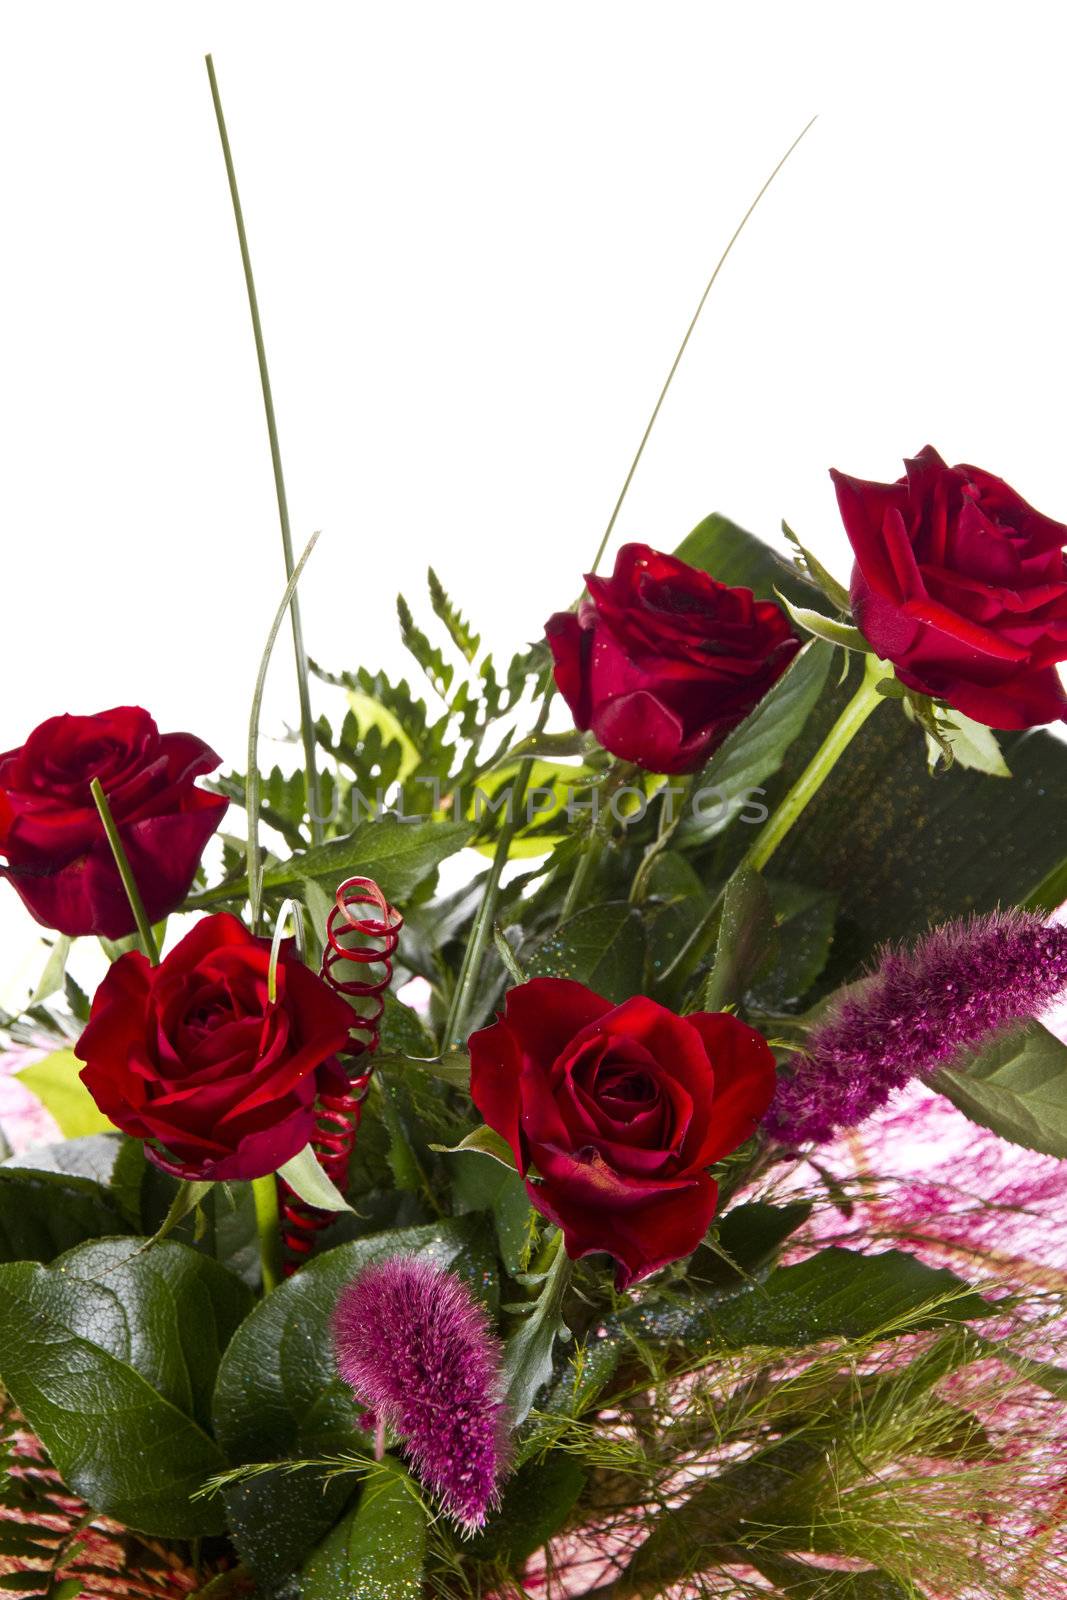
195,1058
58,857
661,661
963,586
619,1111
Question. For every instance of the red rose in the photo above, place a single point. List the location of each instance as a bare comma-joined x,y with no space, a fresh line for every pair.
963,586
619,1110
193,1054
58,857
661,661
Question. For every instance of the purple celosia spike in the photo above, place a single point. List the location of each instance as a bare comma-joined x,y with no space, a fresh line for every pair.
960,983
415,1346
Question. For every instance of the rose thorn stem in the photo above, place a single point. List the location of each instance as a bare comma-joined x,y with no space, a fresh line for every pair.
129,882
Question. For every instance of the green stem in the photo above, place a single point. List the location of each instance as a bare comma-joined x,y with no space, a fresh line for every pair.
307,726
676,363
255,867
482,928
129,883
265,1199
778,825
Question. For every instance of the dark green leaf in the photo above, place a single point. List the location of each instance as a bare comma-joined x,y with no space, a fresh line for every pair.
379,1548
748,1236
902,850
746,941
279,1396
528,1352
753,752
1016,1085
602,947
44,1213
111,1355
480,1185
806,919
739,559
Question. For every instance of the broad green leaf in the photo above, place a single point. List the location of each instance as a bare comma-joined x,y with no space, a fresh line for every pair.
306,1178
528,1352
490,1186
806,920
44,1213
111,1355
746,940
748,1237
1051,892
377,1550
903,850
1016,1085
279,1397
834,1294
55,1083
602,947
732,556
755,750
482,1142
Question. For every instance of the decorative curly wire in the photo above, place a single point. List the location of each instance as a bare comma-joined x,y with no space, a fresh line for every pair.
366,942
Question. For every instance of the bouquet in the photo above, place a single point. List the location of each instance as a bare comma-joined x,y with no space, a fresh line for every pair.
663,1206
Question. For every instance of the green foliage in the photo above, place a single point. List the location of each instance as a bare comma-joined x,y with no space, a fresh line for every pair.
377,1549
746,943
111,1355
601,946
43,1214
755,751
278,1395
1016,1085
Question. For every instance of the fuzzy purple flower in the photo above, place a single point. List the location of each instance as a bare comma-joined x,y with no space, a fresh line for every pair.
415,1346
959,985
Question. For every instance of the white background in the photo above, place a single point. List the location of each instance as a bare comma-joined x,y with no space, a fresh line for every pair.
479,231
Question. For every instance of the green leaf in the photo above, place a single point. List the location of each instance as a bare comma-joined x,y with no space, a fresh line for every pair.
806,921
51,980
397,855
111,1355
379,1548
835,592
835,1294
528,1353
842,634
748,1237
732,556
56,1084
44,1213
756,749
279,1397
746,940
602,947
306,1178
483,1142
1051,892
490,1186
1016,1085
459,630
902,850
974,745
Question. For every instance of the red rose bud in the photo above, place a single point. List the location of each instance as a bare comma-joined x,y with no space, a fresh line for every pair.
58,857
193,1056
963,586
661,661
619,1110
